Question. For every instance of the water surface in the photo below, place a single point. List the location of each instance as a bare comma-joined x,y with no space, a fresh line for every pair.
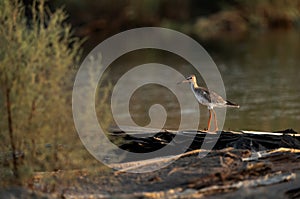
260,72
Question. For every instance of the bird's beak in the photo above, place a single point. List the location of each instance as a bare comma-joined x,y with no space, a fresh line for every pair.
184,81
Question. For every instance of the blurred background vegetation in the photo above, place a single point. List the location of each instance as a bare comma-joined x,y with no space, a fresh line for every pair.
205,19
41,47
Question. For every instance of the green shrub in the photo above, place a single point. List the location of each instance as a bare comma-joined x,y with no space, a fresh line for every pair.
38,57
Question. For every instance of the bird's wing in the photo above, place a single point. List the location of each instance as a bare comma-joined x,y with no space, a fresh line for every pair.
204,93
216,99
212,96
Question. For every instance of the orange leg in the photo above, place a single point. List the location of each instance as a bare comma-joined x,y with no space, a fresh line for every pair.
215,118
208,125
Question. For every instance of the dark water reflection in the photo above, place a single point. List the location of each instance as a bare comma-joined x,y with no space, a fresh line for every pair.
261,73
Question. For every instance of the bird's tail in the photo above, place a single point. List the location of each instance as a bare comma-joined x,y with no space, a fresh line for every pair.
230,104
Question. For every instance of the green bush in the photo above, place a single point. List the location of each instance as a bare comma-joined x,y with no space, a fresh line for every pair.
38,57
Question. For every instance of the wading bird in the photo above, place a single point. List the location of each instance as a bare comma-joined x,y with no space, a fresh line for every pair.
208,98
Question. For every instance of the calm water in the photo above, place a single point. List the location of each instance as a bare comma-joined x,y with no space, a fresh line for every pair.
261,73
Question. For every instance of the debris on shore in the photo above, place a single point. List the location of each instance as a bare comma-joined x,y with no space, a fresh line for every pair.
240,165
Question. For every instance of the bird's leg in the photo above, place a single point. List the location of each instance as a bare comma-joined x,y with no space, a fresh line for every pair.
215,118
208,125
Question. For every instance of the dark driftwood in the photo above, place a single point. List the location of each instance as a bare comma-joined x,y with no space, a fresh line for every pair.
239,161
142,142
